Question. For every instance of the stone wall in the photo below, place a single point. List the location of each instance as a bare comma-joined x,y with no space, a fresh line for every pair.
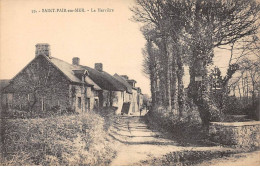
77,99
134,105
39,86
105,98
127,97
238,134
118,101
82,98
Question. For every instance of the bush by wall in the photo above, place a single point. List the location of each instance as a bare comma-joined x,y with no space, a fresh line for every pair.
57,140
186,128
21,114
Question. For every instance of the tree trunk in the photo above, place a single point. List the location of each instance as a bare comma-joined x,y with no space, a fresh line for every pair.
168,62
238,86
169,97
180,74
152,68
174,88
198,91
152,83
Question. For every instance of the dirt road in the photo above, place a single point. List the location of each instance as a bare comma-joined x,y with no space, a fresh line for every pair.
139,145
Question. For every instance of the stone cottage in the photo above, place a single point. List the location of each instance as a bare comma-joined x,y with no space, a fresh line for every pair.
47,83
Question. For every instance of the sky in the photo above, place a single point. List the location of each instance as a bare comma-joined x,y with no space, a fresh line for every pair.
106,37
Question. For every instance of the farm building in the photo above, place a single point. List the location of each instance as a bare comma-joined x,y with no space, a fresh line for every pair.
48,82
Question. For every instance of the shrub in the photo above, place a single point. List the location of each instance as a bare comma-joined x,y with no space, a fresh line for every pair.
186,129
55,109
252,111
232,106
57,140
189,157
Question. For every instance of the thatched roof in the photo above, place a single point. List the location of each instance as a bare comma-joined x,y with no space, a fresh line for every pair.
124,81
71,72
104,80
100,79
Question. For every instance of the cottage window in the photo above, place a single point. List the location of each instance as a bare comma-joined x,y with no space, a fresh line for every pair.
96,105
43,104
79,102
10,100
88,104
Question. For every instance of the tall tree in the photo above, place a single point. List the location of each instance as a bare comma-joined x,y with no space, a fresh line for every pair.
202,25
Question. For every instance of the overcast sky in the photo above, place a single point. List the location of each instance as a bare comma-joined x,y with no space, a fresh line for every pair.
110,38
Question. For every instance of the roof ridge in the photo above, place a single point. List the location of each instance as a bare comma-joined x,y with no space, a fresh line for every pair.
124,82
68,74
103,79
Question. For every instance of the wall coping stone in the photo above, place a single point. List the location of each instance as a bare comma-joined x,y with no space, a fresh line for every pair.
236,124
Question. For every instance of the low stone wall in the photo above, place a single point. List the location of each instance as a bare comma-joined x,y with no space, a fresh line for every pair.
236,118
239,134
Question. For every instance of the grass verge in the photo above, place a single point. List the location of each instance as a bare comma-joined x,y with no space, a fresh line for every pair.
187,158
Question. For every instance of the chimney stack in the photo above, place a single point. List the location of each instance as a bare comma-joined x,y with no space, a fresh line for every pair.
99,66
43,49
75,61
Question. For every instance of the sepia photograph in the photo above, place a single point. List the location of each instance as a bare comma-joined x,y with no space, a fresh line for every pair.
129,83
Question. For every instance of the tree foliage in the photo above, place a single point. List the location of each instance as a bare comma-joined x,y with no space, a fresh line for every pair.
185,32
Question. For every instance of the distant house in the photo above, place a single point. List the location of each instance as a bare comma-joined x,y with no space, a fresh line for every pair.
47,83
133,97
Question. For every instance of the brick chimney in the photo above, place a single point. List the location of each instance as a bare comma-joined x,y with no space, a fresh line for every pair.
43,49
99,66
75,61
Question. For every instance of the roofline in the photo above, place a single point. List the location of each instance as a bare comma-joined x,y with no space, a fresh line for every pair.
90,85
55,67
117,90
32,61
41,44
125,85
131,80
129,92
111,83
77,77
11,80
82,83
22,69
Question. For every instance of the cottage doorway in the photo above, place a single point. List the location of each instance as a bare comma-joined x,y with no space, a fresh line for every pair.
87,104
96,104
